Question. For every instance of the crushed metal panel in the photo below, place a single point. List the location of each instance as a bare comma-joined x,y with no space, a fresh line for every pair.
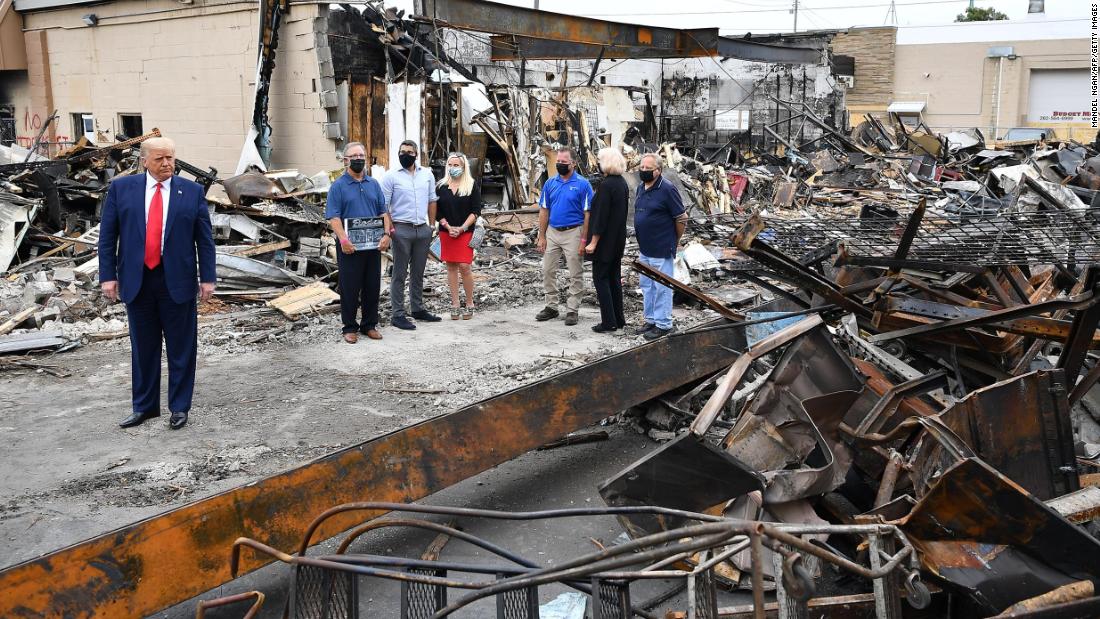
805,398
983,535
688,473
1022,428
241,269
14,219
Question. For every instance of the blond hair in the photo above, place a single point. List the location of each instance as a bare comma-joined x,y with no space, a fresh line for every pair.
465,180
611,161
152,143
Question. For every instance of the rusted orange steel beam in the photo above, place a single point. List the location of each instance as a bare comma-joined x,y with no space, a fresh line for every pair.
152,564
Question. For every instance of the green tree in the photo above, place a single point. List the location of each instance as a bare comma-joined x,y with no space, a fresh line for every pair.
979,14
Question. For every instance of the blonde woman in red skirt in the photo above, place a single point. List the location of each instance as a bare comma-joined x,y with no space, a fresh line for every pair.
458,208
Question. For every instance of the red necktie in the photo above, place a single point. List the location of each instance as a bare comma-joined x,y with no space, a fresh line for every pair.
153,230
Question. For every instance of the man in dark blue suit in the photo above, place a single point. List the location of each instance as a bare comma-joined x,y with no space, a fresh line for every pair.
153,226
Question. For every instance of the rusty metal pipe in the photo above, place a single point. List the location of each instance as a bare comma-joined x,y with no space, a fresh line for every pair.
235,554
797,542
889,479
335,565
200,610
490,513
756,558
583,566
441,528
433,526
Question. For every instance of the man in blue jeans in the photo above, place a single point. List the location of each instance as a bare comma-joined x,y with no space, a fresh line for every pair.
659,221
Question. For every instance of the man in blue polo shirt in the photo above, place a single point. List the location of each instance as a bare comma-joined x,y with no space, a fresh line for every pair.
563,229
355,194
659,221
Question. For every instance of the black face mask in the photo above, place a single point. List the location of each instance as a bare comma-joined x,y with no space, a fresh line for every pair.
406,160
563,169
647,176
357,165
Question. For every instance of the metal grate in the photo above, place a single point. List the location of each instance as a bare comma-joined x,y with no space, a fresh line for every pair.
611,599
1039,237
320,593
704,596
518,604
421,600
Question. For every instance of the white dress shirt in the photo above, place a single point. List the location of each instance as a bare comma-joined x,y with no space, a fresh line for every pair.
165,194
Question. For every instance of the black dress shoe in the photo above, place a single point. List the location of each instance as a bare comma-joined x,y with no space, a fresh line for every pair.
177,421
600,328
403,323
657,333
426,316
136,419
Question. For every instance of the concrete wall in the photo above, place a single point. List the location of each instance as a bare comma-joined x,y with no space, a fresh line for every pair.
189,70
874,52
959,84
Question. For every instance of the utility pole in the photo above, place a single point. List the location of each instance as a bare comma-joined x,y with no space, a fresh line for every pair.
796,15
891,15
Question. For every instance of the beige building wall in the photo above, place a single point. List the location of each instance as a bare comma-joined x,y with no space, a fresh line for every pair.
189,70
959,84
13,56
873,50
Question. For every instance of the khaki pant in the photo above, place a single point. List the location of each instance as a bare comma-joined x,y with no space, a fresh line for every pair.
566,242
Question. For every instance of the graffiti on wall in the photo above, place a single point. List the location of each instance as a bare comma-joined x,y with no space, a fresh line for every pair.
31,126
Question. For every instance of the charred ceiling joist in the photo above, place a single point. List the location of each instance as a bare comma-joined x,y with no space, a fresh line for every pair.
700,43
529,34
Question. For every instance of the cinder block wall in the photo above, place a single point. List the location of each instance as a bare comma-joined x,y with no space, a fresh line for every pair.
873,50
188,70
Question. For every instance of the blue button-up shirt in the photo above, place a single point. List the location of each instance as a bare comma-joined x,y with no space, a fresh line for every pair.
655,213
567,200
408,194
348,197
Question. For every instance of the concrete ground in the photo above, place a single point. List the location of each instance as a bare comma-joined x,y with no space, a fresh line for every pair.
73,473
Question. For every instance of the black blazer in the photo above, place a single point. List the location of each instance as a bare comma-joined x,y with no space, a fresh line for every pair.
455,209
608,218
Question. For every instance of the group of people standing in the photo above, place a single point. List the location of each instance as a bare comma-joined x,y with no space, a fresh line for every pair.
408,202
575,223
157,255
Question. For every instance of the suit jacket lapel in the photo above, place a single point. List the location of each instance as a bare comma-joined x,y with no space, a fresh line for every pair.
175,202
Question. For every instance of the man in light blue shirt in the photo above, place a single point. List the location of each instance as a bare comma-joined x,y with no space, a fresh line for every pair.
410,196
563,230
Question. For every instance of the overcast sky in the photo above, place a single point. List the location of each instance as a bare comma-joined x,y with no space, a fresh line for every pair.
740,16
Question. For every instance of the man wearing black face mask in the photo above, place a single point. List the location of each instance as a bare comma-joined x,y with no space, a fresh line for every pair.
563,227
659,222
356,195
411,199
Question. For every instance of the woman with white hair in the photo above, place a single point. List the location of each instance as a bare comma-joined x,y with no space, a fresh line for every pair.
457,209
607,231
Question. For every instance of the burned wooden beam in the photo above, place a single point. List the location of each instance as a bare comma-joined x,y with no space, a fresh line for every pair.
694,293
521,21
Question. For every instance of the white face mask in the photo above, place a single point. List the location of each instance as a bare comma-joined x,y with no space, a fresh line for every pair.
454,172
